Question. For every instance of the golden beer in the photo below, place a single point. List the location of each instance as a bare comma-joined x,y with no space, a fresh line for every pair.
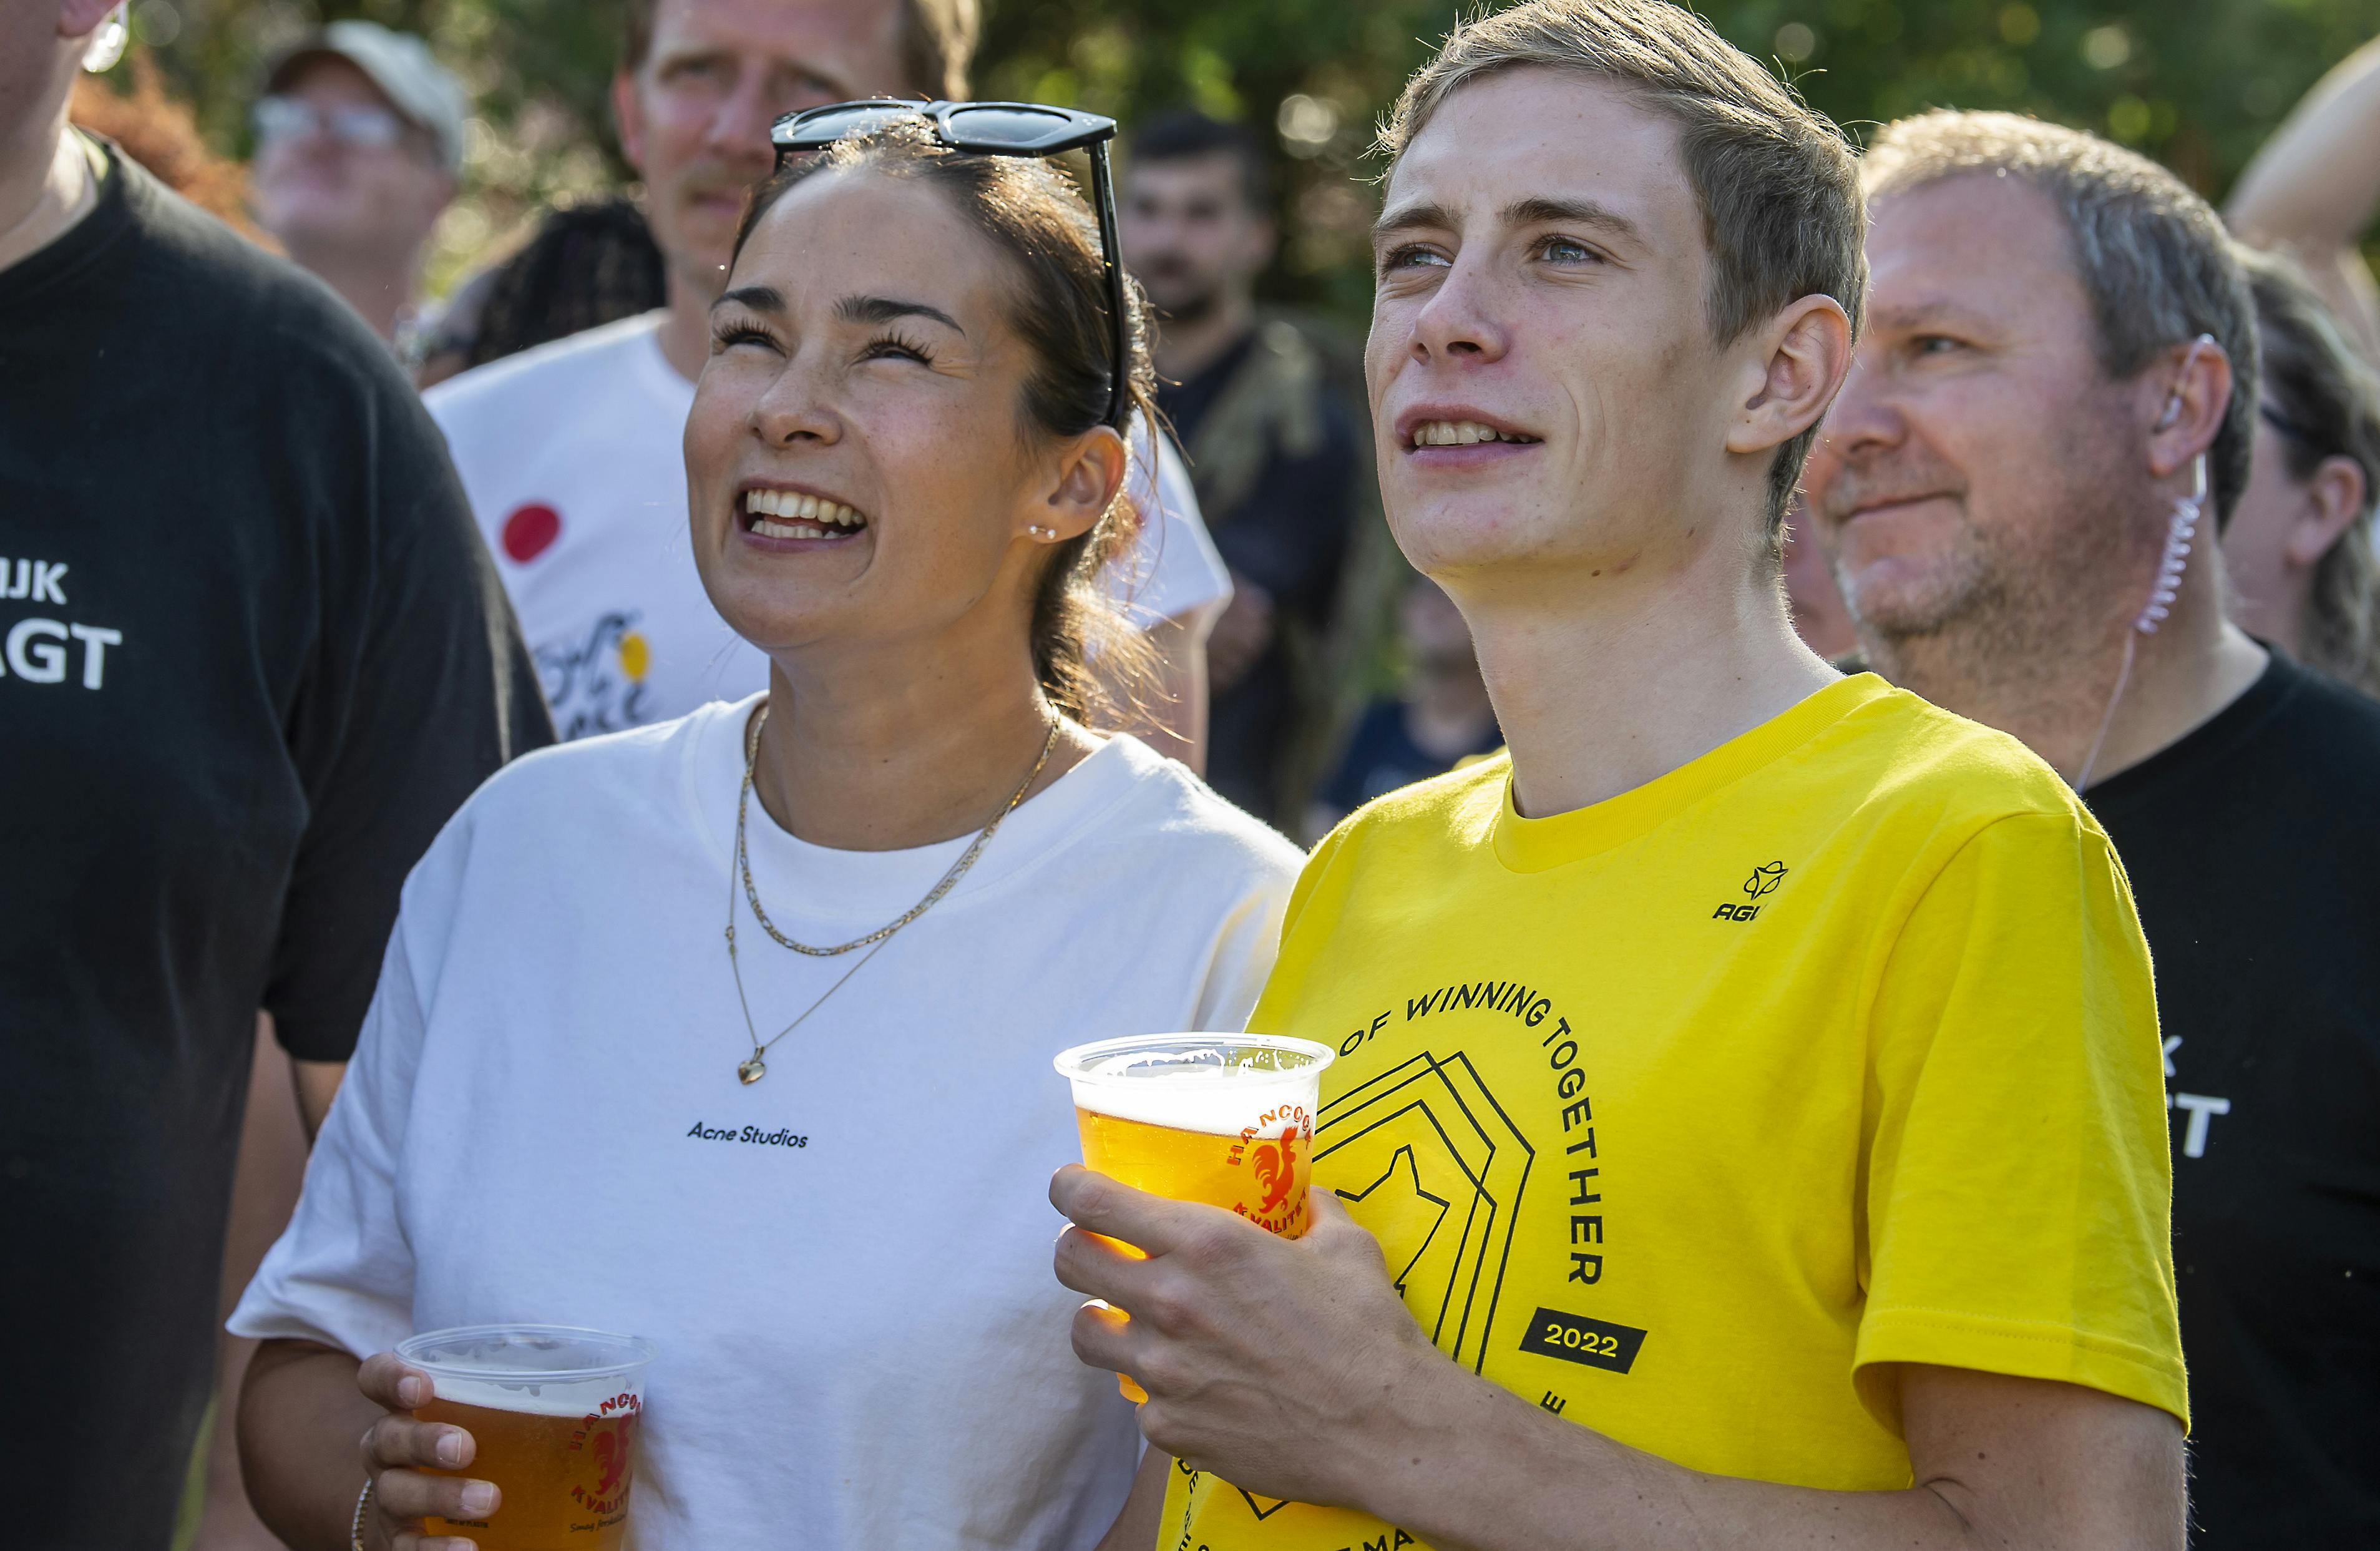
1226,1119
554,1413
565,1478
1262,1176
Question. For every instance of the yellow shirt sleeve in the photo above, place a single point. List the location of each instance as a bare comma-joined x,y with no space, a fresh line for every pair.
2018,1191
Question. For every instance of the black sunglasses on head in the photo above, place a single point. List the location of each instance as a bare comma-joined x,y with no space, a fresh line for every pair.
991,129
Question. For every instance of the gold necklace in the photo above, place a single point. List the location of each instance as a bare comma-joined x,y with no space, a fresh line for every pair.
934,897
751,1071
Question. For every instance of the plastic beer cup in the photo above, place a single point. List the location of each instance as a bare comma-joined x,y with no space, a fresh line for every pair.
1227,1119
555,1412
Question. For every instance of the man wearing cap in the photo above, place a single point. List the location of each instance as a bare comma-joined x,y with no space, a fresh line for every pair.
358,138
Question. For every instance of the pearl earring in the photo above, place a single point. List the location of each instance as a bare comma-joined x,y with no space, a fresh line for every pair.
1041,532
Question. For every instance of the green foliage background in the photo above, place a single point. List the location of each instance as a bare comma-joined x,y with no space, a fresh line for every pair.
2198,83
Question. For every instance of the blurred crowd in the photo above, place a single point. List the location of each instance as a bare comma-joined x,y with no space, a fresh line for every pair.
1328,680
1294,658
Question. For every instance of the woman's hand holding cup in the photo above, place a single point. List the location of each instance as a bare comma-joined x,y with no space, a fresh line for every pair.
398,1455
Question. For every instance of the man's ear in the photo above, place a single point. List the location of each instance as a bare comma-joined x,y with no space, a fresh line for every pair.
2335,496
2185,393
1805,354
628,116
79,18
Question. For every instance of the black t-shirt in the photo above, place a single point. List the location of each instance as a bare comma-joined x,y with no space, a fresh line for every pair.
252,656
2253,850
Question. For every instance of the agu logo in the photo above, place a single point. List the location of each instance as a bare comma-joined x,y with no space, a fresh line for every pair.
1762,883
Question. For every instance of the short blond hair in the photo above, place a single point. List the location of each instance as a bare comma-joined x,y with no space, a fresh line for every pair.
1776,181
2154,258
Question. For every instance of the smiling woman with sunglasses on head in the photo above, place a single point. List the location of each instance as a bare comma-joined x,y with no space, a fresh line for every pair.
580,1100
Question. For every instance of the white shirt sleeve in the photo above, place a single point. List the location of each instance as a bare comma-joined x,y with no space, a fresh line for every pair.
1172,569
1245,947
342,1273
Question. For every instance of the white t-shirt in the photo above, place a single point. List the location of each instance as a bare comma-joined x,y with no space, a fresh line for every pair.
573,456
861,1343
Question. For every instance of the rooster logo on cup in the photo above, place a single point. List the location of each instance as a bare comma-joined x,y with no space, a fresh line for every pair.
1275,1168
612,1457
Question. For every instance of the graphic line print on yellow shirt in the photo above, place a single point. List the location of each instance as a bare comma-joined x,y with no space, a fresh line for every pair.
1687,1115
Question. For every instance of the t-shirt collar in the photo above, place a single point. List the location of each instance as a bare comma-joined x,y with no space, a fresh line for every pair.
111,217
819,885
1534,845
2216,735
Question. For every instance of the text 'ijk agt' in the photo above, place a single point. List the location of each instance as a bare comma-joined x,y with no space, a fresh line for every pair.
34,648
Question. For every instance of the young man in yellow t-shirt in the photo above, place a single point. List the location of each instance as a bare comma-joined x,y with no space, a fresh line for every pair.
1747,1125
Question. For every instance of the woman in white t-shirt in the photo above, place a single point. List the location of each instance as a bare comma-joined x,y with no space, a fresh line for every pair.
901,470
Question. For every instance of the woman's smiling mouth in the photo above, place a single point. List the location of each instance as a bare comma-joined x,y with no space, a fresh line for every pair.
790,514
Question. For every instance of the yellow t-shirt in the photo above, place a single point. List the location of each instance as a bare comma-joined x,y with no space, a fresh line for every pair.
1680,1114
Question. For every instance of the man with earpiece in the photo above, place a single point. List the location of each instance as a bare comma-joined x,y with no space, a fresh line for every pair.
2021,488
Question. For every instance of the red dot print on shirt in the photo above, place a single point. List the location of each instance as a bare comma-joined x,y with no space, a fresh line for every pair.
530,531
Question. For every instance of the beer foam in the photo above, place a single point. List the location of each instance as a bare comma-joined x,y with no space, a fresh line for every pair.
1217,1100
532,1396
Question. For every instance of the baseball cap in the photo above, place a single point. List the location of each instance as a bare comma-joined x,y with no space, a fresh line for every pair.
402,67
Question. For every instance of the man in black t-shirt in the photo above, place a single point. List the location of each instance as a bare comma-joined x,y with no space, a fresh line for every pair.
2020,488
1274,452
252,656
